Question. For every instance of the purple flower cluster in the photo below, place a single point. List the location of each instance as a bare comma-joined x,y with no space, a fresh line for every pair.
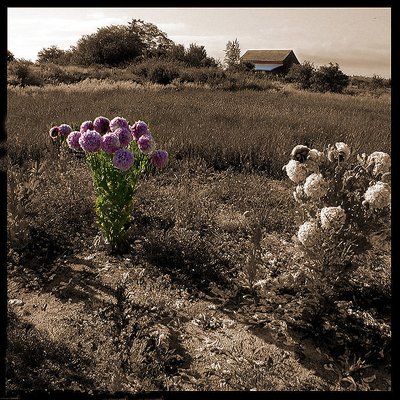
123,159
124,136
64,130
101,125
54,132
159,158
118,122
87,125
110,142
146,143
138,129
73,140
90,141
113,137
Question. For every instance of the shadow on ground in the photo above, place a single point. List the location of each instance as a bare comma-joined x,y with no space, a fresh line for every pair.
191,264
35,362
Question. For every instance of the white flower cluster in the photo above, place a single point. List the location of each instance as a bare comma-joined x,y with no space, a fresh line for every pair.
325,177
380,162
339,152
299,194
315,186
316,156
296,171
332,217
378,195
309,233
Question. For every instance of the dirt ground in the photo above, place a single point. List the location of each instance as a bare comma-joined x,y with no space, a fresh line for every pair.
199,341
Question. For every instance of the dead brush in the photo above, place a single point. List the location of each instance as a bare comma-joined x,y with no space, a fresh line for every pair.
254,258
22,185
350,371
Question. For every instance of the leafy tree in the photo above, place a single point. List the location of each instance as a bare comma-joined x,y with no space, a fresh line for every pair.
155,43
50,54
301,74
176,52
111,45
10,56
329,78
232,54
196,56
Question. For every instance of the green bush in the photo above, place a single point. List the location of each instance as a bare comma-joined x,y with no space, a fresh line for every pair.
53,54
10,56
329,78
162,73
22,73
110,45
301,74
155,70
211,75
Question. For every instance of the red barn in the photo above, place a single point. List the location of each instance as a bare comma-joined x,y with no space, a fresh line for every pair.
277,61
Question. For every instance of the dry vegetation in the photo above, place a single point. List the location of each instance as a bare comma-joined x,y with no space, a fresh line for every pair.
186,307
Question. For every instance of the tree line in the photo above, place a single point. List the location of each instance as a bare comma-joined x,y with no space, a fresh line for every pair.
139,41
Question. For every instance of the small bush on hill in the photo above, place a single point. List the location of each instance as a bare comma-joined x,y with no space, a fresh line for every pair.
301,74
21,72
329,78
162,73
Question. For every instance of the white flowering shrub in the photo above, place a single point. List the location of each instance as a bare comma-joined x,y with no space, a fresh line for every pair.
343,202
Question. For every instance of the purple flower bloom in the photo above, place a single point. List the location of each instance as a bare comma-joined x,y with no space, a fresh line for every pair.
73,140
124,136
54,132
138,129
146,143
90,141
87,125
64,129
123,159
159,158
110,142
118,122
101,125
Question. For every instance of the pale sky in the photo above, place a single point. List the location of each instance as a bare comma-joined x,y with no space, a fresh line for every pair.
358,39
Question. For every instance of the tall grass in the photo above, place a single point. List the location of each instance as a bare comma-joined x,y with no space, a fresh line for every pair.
246,130
195,225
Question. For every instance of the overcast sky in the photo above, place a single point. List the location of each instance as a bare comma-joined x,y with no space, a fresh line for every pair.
358,39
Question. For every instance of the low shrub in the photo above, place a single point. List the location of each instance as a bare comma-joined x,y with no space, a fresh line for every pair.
43,217
156,71
345,206
22,73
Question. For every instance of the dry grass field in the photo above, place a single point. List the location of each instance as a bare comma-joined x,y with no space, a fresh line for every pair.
183,308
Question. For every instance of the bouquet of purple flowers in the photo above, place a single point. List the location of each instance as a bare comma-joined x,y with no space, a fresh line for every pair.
117,154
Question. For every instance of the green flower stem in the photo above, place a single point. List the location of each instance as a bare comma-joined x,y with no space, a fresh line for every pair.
115,190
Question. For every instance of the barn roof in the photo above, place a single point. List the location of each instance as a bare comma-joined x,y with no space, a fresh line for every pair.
265,55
